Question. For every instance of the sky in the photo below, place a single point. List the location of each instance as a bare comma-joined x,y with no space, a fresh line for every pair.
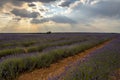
33,16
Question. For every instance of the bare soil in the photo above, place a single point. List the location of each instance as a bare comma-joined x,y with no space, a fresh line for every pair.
115,75
59,67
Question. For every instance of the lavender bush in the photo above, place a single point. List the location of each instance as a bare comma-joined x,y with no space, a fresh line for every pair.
97,66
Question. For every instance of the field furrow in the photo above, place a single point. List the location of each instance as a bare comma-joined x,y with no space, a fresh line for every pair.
59,67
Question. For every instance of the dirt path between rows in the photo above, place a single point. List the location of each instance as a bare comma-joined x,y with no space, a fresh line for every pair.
59,67
115,75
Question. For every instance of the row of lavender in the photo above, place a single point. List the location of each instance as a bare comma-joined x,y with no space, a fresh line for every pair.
26,40
34,43
97,66
12,64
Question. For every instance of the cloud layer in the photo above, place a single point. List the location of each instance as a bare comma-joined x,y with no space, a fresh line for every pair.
20,2
25,13
77,15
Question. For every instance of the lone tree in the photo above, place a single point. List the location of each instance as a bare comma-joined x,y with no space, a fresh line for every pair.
49,32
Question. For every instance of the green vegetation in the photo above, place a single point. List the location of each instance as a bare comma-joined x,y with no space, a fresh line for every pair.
96,67
42,50
11,51
39,48
12,67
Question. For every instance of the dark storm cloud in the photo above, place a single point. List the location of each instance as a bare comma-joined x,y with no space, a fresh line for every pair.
20,2
14,2
57,19
25,13
67,3
44,1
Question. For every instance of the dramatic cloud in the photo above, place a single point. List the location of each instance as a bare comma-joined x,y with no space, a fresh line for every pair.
57,19
25,13
66,3
45,1
55,15
107,8
14,2
20,2
100,9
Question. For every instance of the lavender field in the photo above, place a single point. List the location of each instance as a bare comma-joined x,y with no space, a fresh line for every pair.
100,65
21,53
